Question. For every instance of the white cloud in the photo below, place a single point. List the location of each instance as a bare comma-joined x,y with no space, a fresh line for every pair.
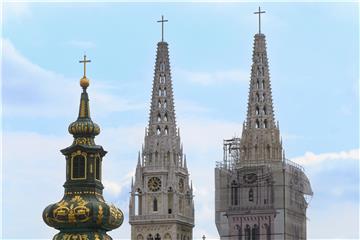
31,91
311,158
214,77
16,10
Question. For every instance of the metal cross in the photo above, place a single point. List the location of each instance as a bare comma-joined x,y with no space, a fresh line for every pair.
84,61
203,237
162,27
259,12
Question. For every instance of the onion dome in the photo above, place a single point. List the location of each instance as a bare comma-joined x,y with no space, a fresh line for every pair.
82,213
84,129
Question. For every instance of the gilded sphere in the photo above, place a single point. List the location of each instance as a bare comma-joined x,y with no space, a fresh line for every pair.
84,82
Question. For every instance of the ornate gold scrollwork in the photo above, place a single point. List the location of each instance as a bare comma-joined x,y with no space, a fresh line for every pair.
100,214
73,211
75,237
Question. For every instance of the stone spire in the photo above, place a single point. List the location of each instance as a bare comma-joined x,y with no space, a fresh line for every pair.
260,138
162,136
83,213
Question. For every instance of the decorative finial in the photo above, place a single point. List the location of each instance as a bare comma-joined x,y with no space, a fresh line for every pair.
203,237
162,27
259,12
84,82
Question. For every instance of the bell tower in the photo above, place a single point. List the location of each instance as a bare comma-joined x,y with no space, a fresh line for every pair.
83,213
161,202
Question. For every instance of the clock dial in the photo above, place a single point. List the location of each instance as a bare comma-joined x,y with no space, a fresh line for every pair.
154,184
181,185
250,178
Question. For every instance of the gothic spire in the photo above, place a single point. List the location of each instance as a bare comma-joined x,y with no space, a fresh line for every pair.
162,113
260,137
260,112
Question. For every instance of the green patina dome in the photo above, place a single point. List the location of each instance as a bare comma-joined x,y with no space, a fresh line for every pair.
82,214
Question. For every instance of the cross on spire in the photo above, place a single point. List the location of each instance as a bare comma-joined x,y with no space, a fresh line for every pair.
162,27
84,61
259,12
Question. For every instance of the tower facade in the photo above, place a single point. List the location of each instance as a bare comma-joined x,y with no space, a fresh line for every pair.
161,202
83,214
259,194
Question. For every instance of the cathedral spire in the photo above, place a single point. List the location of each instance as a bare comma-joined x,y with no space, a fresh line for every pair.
260,137
162,112
162,198
260,112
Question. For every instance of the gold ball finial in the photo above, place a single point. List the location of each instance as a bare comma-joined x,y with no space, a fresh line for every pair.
84,82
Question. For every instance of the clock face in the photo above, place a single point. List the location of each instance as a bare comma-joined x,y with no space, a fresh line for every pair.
154,184
250,178
181,185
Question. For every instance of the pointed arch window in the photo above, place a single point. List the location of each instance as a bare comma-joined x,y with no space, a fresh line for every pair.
264,110
247,232
162,67
150,237
263,84
166,131
162,79
159,104
268,151
157,237
262,97
158,131
165,117
255,233
164,92
257,97
257,123
160,92
258,84
155,205
165,104
159,117
239,232
257,110
266,123
251,195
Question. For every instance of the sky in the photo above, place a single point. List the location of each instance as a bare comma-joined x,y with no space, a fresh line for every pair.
313,51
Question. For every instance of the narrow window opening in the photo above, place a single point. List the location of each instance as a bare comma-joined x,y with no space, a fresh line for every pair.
157,237
165,117
166,131
265,123
264,110
78,167
158,131
150,237
251,195
257,111
155,205
257,124
97,168
159,92
159,117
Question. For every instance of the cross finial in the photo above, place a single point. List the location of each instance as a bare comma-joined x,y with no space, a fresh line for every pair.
259,12
84,61
203,237
162,27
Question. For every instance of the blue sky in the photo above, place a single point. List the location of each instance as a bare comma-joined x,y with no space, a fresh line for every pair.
313,50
